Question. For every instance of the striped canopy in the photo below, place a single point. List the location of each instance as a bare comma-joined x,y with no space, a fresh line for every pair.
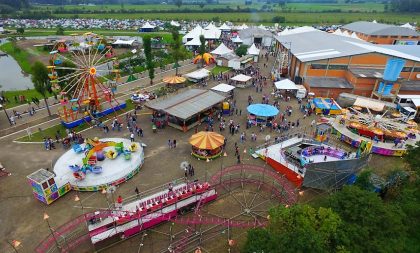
207,140
174,79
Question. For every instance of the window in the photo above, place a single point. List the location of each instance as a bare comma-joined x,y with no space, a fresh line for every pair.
374,36
337,67
406,69
318,66
416,69
383,36
405,37
394,36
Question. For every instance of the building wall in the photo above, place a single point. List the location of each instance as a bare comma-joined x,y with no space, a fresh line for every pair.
384,39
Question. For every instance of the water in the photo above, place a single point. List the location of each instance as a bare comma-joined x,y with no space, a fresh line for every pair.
11,76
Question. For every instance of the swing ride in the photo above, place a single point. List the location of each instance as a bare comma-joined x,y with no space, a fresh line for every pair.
85,75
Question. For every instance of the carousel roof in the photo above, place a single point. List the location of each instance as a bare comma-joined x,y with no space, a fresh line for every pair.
174,79
207,140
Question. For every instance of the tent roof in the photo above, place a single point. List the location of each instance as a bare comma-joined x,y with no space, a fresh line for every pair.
147,25
212,33
262,110
225,27
207,140
236,40
194,42
197,31
253,50
369,103
123,42
302,29
223,87
241,78
407,25
285,84
174,23
222,49
186,104
198,74
210,26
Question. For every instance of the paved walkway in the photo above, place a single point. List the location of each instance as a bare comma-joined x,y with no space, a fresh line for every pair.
41,118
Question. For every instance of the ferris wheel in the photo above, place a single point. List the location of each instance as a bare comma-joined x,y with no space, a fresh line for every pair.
84,70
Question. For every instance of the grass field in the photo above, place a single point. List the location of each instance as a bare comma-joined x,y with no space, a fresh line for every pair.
292,18
10,95
21,56
216,70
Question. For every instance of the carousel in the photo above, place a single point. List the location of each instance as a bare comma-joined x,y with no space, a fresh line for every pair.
207,145
174,80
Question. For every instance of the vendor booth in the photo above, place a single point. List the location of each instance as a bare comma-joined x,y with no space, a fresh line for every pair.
224,89
187,109
241,81
197,75
207,145
261,114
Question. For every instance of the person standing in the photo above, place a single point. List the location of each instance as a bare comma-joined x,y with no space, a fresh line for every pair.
132,137
174,143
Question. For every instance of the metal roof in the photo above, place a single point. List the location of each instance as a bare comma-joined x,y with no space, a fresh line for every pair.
328,82
371,28
186,104
318,45
367,72
254,32
413,85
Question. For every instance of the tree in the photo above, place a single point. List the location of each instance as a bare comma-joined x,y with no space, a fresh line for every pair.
201,5
278,19
241,50
178,3
412,157
20,30
147,45
60,31
176,48
299,228
202,48
369,224
41,81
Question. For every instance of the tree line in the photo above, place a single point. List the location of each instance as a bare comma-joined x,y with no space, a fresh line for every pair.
354,219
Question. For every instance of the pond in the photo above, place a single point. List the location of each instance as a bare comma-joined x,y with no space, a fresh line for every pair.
11,75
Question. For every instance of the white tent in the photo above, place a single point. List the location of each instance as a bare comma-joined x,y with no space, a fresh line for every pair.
196,32
374,21
147,25
262,27
198,74
212,34
242,27
407,25
221,49
225,27
302,29
210,26
123,42
223,87
253,50
338,32
174,23
237,40
346,34
194,42
241,78
285,84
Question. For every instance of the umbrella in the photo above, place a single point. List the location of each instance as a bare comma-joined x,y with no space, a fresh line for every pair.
263,110
174,79
207,140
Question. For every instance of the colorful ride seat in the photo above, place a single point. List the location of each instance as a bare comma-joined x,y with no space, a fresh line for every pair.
92,160
77,148
111,154
127,155
80,175
96,169
74,168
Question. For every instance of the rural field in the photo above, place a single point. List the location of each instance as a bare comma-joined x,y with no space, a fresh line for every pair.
294,13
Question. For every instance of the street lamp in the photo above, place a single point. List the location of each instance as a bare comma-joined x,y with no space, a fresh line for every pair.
221,166
46,217
14,244
77,199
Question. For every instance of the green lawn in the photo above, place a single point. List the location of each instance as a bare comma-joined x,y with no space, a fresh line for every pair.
29,94
292,18
20,55
216,70
51,131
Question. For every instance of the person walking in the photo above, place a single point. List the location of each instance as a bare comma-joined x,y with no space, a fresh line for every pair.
174,143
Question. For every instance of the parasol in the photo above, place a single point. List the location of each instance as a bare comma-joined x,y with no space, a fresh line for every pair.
174,79
207,140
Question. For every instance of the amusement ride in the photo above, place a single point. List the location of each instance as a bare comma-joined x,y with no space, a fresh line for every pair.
84,70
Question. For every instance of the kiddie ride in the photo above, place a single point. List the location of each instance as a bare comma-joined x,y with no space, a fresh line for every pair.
94,151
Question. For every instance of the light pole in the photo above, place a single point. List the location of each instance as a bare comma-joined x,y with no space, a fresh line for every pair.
14,244
77,199
7,115
46,217
221,166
